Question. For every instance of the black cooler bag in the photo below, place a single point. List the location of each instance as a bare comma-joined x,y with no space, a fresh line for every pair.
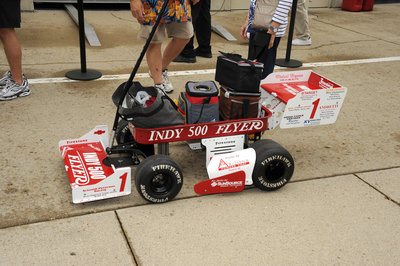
199,102
239,74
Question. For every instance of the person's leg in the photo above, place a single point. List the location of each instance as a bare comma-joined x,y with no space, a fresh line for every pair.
173,49
154,61
188,50
153,52
202,26
12,49
188,54
264,55
269,63
250,52
180,32
301,24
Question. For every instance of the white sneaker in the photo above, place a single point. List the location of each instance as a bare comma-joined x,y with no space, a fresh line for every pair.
13,90
301,42
161,87
7,76
167,84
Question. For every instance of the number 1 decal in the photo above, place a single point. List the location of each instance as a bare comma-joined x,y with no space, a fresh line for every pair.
315,103
123,182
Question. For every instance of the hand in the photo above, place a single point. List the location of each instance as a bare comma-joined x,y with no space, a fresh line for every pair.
273,34
243,29
271,40
195,1
137,9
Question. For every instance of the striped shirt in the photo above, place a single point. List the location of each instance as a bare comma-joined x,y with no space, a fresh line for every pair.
281,16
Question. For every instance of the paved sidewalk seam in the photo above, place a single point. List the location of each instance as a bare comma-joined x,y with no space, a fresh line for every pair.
376,189
197,196
126,238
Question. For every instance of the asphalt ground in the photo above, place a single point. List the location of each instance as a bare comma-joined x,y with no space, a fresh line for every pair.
341,206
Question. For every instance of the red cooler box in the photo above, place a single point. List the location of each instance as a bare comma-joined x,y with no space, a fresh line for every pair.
368,5
352,5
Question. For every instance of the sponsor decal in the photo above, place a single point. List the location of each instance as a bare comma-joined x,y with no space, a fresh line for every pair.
312,122
99,189
99,132
77,141
206,130
293,117
331,106
165,134
290,89
226,183
309,92
239,127
223,165
289,77
83,163
325,84
233,182
85,167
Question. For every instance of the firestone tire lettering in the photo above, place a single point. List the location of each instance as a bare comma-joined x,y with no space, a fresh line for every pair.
274,165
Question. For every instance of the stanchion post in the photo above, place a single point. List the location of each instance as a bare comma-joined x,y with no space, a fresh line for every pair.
287,62
83,73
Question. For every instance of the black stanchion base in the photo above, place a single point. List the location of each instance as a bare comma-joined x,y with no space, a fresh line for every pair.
291,63
79,75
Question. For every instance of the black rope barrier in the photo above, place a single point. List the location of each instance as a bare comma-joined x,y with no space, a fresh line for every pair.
287,62
83,73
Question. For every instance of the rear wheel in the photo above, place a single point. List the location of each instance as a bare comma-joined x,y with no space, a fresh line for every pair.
124,136
274,165
158,178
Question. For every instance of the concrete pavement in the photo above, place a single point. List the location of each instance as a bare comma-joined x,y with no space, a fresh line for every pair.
342,206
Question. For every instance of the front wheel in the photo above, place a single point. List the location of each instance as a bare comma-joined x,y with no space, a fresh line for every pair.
158,178
274,165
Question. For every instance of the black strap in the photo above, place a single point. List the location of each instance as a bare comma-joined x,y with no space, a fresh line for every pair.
245,108
205,101
165,96
238,58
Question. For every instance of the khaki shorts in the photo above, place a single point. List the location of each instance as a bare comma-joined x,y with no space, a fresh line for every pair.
181,30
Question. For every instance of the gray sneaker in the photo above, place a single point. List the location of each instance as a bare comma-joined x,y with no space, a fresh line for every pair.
301,42
13,90
167,84
7,76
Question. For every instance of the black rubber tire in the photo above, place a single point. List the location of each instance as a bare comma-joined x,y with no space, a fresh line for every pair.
274,165
158,178
123,136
